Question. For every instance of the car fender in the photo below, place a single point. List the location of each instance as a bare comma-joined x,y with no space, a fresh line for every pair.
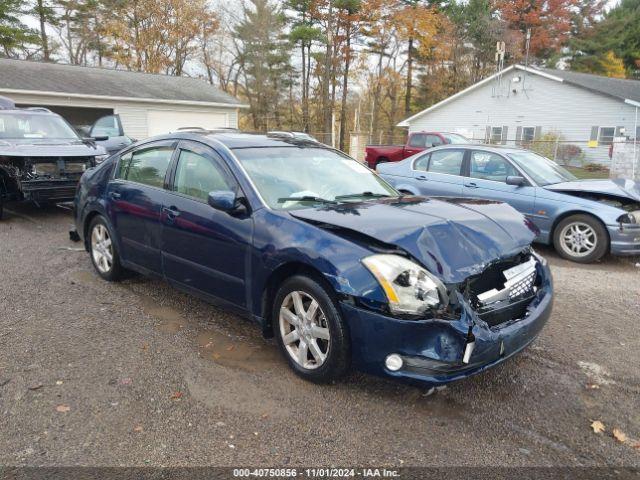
294,241
559,205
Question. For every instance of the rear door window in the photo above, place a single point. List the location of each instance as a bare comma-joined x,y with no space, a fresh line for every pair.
446,161
147,166
422,163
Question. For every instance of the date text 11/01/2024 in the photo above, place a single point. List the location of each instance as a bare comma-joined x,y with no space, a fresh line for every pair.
316,472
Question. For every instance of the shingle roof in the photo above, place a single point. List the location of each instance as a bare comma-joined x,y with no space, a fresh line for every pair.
615,87
72,79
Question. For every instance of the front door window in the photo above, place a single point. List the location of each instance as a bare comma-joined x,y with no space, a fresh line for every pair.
197,176
490,166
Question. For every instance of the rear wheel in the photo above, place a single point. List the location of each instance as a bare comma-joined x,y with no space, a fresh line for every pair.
581,238
103,250
310,331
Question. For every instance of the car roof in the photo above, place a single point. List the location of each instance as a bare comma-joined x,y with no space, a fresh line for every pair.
30,111
438,132
237,140
484,146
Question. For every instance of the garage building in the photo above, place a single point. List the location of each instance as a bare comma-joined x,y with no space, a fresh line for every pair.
147,104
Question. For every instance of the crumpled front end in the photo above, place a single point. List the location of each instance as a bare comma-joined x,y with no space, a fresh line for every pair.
497,314
42,179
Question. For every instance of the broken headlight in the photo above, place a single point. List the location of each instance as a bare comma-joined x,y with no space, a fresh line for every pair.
410,289
631,217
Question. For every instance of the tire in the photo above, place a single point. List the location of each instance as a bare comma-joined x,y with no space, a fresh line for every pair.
581,238
101,243
324,333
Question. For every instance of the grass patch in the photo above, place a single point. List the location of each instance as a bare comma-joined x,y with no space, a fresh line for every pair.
583,173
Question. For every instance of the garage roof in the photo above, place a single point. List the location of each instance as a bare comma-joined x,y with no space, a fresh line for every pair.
27,76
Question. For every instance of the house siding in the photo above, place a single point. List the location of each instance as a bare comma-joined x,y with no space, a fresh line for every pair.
546,103
134,115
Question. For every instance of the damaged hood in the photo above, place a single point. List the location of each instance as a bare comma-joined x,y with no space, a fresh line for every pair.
618,187
48,148
453,238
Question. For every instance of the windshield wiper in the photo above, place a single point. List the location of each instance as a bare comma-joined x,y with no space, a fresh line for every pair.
307,198
363,194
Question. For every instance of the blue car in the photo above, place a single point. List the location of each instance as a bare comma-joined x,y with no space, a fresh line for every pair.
583,219
320,252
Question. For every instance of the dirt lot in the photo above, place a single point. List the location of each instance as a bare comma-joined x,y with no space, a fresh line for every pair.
137,373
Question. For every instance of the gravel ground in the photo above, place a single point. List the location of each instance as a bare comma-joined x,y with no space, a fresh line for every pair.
137,373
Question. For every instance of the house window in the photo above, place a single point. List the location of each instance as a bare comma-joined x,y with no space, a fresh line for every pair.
606,134
496,135
528,134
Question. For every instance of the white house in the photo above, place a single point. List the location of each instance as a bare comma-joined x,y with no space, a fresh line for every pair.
148,104
519,105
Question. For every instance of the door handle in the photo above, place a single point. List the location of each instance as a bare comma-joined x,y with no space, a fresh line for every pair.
422,177
172,212
115,195
471,185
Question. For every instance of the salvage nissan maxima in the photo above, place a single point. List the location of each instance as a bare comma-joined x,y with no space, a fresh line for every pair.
321,252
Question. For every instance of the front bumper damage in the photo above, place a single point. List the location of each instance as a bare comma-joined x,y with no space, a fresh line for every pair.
433,350
625,239
41,179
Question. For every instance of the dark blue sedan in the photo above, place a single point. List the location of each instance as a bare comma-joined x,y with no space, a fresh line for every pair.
320,252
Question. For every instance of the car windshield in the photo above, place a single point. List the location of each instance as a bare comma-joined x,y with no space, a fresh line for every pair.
291,177
542,170
27,125
455,139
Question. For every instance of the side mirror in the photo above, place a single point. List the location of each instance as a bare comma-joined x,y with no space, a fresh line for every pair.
226,201
515,180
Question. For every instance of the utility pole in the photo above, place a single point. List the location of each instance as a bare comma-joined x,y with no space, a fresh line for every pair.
500,49
526,58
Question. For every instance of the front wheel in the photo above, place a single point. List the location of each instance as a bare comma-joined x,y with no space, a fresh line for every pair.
103,251
581,238
310,331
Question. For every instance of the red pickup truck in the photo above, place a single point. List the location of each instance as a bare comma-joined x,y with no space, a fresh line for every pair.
416,142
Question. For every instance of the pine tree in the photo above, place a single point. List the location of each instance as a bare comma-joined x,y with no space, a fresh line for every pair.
264,57
16,38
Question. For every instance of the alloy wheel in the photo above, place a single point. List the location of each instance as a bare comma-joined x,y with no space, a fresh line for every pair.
101,248
578,239
304,330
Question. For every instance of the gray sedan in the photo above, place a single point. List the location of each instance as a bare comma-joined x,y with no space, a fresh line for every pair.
583,219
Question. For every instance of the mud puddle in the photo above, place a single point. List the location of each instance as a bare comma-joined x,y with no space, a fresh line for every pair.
213,345
232,353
